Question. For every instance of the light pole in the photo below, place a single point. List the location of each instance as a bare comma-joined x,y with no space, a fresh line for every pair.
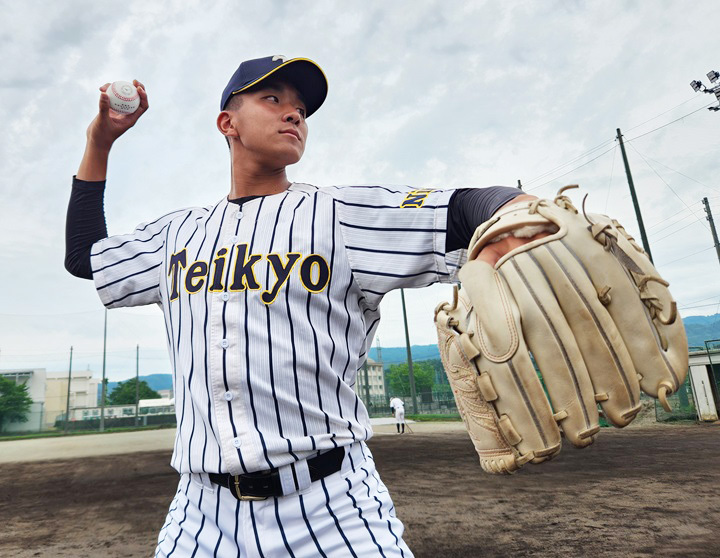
697,85
67,405
411,374
137,384
102,397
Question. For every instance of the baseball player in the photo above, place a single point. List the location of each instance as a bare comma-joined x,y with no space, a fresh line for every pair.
398,410
271,298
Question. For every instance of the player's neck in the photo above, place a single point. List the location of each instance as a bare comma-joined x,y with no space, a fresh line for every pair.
255,180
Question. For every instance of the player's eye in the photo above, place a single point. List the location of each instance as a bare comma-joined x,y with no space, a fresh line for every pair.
301,111
273,98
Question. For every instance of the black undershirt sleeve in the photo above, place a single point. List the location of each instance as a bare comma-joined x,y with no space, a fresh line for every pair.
85,225
470,207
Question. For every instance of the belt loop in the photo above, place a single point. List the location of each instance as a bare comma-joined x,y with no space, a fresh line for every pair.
287,479
302,472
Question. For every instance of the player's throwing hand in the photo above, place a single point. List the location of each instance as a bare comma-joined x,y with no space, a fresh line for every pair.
109,125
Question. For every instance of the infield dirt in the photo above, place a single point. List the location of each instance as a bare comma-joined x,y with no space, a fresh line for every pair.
649,491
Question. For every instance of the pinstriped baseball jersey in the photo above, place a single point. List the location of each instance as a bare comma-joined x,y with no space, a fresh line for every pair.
270,307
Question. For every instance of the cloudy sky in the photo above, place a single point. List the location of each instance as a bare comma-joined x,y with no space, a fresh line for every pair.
425,93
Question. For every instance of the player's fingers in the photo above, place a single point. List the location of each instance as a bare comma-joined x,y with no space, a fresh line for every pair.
144,103
104,88
104,104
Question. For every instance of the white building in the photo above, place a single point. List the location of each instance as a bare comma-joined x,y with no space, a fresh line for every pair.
84,390
34,379
705,382
375,380
146,407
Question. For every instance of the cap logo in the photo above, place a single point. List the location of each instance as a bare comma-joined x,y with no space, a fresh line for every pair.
279,57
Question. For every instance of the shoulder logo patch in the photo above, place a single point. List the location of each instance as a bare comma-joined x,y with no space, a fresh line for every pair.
415,199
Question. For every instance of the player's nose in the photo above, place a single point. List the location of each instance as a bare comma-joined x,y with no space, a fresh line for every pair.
292,115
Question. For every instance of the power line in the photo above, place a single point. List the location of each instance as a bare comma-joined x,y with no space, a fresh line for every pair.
684,210
699,306
663,113
668,185
701,300
674,232
685,175
571,161
603,144
671,122
690,255
571,170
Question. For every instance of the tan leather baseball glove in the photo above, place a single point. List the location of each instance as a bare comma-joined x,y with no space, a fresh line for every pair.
583,304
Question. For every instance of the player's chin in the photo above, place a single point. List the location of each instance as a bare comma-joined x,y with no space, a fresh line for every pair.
290,155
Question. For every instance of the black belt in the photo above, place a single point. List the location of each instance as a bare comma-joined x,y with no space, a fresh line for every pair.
265,484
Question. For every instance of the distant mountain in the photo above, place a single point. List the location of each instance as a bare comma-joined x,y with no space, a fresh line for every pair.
699,329
702,328
396,355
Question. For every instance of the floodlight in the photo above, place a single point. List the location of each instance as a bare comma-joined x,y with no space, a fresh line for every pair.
696,85
713,76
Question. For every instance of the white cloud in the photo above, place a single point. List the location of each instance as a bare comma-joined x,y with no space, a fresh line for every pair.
423,93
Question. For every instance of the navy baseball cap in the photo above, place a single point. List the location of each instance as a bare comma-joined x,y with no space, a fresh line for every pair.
303,73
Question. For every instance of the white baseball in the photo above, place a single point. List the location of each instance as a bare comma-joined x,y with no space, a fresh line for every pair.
124,97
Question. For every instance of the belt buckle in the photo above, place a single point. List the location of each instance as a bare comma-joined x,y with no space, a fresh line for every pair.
240,496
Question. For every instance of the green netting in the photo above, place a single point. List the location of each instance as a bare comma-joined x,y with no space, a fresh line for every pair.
682,404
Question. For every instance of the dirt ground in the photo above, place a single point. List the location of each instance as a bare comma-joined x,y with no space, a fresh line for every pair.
649,491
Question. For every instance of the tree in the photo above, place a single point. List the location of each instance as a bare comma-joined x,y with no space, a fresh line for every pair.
399,379
14,402
124,393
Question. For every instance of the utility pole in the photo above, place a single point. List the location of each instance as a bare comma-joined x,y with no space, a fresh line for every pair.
366,383
379,350
712,227
102,396
646,244
137,384
409,355
67,405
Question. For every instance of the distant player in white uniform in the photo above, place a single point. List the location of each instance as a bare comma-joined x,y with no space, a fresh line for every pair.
271,299
398,409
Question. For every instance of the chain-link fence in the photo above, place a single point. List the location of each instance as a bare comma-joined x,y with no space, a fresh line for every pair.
428,403
50,417
681,403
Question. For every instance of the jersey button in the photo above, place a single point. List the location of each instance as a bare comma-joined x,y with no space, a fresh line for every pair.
228,395
236,442
232,240
225,296
238,215
224,343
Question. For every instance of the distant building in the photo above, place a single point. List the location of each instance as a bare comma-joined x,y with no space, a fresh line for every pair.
375,380
84,391
146,407
705,382
165,393
34,379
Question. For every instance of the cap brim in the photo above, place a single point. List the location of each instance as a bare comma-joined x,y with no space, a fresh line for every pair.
307,77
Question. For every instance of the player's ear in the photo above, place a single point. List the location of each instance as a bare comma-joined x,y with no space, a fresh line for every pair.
225,125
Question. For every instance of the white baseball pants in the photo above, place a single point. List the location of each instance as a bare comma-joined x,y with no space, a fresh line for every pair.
348,513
